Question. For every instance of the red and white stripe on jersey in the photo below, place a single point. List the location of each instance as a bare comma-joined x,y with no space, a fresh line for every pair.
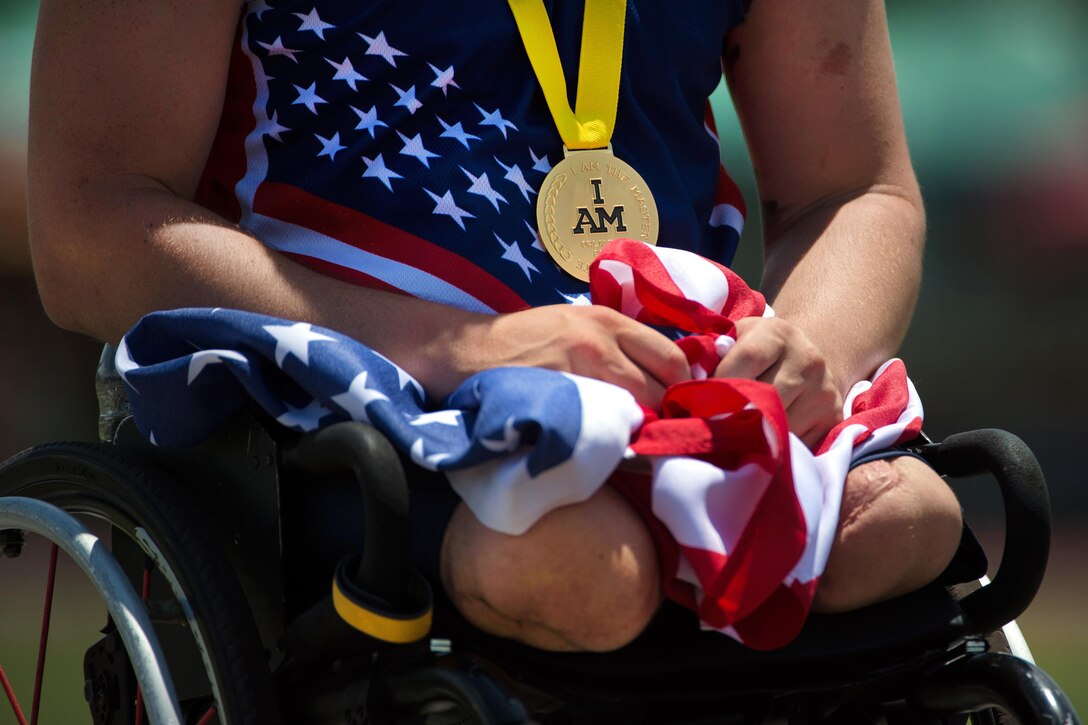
332,239
729,209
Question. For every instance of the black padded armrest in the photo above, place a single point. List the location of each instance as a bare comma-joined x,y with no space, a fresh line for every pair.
1027,519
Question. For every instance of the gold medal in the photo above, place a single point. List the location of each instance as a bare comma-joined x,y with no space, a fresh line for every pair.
587,200
590,197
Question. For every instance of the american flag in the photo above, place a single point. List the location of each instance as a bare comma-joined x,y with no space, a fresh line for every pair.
401,145
742,512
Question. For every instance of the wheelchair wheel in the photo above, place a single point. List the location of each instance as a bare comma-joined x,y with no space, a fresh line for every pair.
220,669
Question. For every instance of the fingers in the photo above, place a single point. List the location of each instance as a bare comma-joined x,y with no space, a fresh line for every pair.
776,352
654,353
594,342
812,416
759,348
643,361
647,391
808,393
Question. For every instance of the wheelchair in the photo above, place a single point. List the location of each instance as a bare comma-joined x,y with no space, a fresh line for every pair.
220,608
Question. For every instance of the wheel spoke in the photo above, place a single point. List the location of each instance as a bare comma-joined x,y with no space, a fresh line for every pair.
144,509
207,717
47,613
11,697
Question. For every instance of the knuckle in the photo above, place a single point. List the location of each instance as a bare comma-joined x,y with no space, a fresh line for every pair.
783,329
584,344
752,354
813,365
676,359
748,323
599,314
787,385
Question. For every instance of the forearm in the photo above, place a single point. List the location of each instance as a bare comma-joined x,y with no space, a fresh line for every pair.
847,273
814,85
125,247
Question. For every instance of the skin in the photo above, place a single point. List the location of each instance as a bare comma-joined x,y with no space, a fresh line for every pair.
117,146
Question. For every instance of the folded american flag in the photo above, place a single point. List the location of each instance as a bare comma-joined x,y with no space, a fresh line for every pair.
742,512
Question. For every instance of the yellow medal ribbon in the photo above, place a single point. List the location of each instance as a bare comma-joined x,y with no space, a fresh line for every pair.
590,125
590,197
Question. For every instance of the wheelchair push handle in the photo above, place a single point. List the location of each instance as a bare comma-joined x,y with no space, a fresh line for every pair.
368,455
1027,519
377,591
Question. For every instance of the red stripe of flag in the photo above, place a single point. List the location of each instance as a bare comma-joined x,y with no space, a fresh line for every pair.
881,405
663,301
727,191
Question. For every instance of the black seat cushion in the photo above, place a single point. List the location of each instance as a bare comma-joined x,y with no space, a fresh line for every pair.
674,656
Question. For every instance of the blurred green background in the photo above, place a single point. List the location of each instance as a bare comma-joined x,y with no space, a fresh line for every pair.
995,96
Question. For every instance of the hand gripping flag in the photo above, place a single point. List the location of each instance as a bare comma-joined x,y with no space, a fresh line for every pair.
742,512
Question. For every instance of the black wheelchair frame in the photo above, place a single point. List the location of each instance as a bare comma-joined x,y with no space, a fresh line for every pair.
235,543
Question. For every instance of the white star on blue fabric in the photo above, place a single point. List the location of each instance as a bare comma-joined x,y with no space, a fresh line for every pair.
456,132
414,147
515,176
446,205
424,461
536,237
509,442
276,48
482,186
308,97
357,397
407,99
295,340
379,46
204,358
123,360
272,127
443,79
512,253
540,163
346,72
494,118
305,419
368,120
330,146
259,7
313,23
376,169
451,418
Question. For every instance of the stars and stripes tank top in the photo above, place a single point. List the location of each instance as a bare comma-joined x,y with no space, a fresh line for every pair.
400,144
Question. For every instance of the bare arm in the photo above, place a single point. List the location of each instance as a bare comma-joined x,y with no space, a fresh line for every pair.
125,101
814,86
116,151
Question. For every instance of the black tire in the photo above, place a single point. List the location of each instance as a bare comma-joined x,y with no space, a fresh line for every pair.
98,481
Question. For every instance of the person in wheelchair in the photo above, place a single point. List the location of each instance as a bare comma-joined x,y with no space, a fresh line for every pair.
376,169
